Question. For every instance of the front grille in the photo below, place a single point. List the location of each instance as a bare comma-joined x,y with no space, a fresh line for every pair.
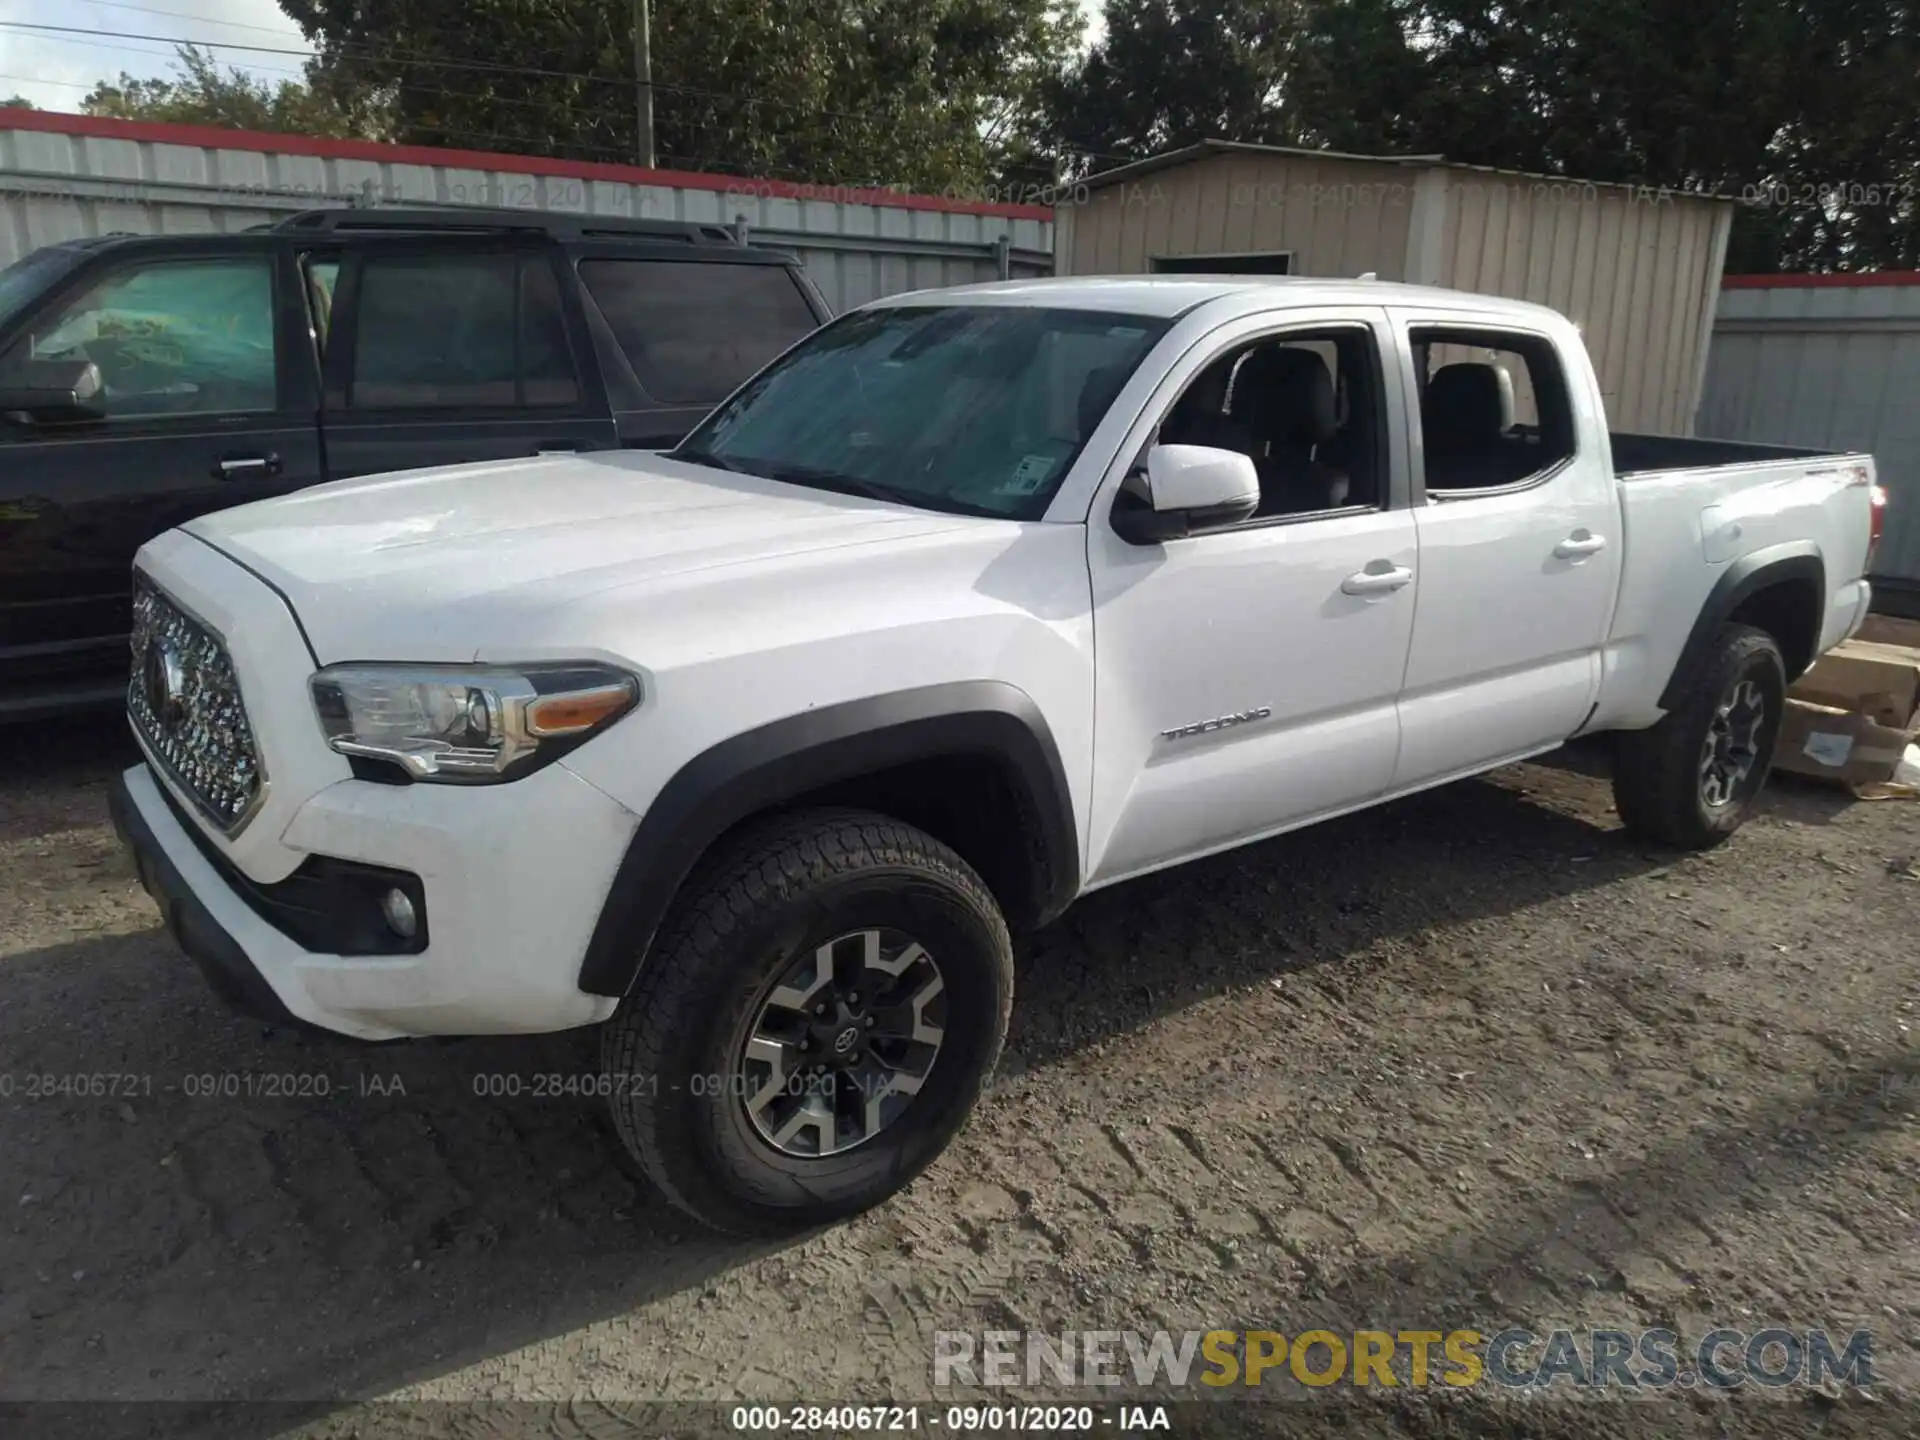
184,702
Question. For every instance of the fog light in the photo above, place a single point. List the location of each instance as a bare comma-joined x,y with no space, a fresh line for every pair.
398,911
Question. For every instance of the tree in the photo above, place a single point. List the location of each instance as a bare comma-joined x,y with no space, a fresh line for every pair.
1169,73
200,93
17,102
925,94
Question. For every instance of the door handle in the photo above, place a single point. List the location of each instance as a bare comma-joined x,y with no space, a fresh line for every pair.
1580,543
558,447
1377,582
235,467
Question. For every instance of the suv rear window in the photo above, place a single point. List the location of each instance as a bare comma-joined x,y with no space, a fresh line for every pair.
693,330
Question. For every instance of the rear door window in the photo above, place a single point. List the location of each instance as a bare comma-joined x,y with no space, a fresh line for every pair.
474,330
1495,410
694,331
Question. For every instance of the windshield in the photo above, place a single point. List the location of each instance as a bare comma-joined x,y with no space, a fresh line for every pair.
21,281
974,409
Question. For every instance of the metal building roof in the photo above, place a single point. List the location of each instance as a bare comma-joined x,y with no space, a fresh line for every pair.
1206,149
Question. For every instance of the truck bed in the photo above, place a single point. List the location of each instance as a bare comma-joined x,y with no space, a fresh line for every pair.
1721,502
1642,454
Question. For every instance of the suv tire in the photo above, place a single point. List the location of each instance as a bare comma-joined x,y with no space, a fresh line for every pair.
1692,780
777,935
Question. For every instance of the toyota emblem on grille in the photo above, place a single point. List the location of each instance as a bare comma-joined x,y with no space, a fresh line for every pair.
163,675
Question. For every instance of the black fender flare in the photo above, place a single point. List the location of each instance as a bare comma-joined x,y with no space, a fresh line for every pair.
1745,577
761,768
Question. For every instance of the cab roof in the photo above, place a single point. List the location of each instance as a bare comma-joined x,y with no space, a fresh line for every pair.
1170,296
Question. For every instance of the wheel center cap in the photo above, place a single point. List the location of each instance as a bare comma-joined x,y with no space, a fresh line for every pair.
844,1042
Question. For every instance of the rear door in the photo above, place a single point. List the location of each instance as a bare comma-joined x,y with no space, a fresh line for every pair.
679,334
210,391
442,351
1519,529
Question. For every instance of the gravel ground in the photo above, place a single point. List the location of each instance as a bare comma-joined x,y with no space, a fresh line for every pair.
1474,1059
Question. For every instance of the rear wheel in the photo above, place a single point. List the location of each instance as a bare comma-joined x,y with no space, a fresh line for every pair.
1692,780
816,1022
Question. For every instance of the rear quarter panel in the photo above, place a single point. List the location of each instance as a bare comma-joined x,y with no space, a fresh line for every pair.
1686,528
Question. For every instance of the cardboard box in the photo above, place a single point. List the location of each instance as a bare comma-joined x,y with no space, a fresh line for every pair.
1881,682
1831,743
1891,630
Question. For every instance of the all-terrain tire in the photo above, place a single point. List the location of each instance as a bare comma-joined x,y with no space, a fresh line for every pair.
671,1056
1658,773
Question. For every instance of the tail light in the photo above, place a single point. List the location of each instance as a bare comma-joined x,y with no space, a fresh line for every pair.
1877,524
1861,476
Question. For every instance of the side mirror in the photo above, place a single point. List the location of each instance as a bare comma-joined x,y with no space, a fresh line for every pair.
52,391
1187,490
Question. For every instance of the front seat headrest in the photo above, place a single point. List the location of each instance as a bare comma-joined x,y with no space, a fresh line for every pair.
1468,407
1285,396
1203,406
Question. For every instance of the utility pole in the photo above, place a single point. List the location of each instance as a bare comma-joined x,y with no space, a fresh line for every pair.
643,82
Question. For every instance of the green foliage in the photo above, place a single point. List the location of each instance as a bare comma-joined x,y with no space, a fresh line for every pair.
200,93
923,94
1171,72
17,102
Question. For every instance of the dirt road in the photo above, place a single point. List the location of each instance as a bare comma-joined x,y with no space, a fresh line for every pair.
1472,1060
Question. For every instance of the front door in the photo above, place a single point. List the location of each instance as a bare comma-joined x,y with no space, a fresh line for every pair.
209,391
445,352
1248,678
1519,550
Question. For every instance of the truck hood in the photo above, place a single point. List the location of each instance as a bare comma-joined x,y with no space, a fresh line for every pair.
427,564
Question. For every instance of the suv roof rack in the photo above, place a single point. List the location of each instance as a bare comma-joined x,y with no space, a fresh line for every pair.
561,225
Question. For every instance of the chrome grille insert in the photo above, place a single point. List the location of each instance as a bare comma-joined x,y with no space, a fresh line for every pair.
184,702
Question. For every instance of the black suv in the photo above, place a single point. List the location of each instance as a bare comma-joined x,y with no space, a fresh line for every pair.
148,379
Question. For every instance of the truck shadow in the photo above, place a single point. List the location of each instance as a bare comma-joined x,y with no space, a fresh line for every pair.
251,1213
1472,851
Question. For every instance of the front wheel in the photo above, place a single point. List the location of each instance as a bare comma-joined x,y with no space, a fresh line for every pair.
1692,780
817,1020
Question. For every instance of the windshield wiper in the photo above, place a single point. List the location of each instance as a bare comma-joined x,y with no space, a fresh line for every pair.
708,458
819,478
850,484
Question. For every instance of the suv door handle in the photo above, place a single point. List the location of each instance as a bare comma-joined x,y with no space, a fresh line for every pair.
234,467
559,447
1377,582
1578,544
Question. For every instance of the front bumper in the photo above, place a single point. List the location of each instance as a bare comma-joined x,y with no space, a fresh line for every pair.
510,879
208,943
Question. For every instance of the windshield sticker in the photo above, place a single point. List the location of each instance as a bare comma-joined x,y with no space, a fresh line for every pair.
1029,475
1125,332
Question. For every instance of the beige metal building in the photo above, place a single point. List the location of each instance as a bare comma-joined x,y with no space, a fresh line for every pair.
1637,269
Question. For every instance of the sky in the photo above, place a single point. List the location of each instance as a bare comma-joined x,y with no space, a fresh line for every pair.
55,71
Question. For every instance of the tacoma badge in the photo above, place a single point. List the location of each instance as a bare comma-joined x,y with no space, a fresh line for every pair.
1206,727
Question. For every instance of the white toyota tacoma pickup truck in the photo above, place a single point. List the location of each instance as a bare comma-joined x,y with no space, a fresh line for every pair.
754,752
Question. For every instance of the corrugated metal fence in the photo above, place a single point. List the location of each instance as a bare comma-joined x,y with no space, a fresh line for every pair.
1830,361
65,176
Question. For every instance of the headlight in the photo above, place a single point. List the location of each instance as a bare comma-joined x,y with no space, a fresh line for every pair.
468,724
